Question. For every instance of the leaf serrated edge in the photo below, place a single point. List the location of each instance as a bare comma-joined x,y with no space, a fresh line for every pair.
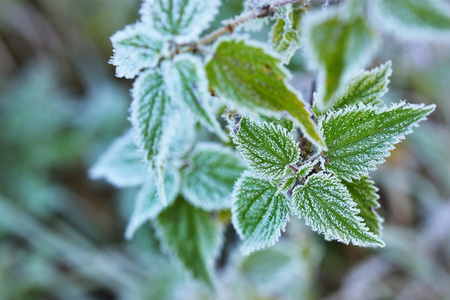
353,209
402,104
245,249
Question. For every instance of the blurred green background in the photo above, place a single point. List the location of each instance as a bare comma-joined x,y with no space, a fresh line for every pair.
62,234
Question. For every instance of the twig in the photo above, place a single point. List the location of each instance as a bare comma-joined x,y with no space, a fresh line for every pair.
244,17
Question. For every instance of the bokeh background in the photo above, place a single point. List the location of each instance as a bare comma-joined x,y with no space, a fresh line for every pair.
62,234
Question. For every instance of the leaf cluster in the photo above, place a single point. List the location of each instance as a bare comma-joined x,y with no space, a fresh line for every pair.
311,163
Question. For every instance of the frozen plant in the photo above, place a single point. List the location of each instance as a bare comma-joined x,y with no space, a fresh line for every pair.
295,160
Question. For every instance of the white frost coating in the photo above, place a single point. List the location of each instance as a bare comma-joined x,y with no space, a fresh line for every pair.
122,164
187,85
179,20
360,136
152,117
147,205
268,149
209,180
412,19
258,214
327,206
136,47
353,62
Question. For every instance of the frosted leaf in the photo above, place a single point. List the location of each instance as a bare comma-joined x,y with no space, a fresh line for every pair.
210,177
327,206
285,33
186,82
364,193
246,75
122,164
359,137
136,48
414,19
147,205
181,20
258,214
367,87
152,117
192,237
268,149
337,45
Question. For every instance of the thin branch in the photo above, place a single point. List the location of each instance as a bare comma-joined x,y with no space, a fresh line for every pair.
244,17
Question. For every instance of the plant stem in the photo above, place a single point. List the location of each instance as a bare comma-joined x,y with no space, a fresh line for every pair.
244,17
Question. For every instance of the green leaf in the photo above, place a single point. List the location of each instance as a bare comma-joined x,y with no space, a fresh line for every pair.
269,149
285,33
211,175
152,115
186,82
338,46
192,236
414,19
248,77
121,164
327,206
136,48
147,205
367,88
181,20
258,214
364,193
358,137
